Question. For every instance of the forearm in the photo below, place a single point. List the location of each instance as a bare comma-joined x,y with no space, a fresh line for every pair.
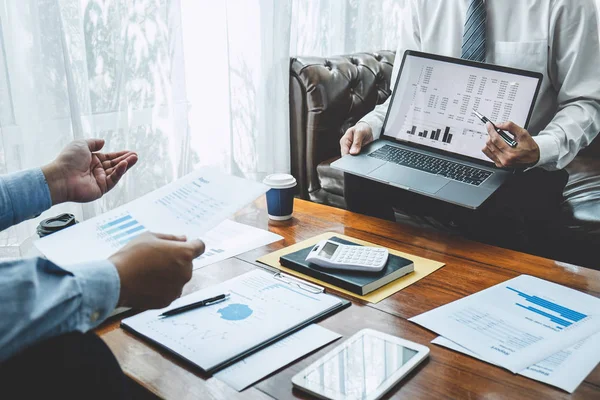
23,195
574,51
572,129
41,300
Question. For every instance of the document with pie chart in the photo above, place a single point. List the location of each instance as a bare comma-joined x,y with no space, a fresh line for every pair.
261,309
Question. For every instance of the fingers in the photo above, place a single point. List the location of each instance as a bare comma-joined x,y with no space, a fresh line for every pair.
192,248
346,141
166,236
112,159
113,178
495,140
356,144
197,247
490,154
132,159
95,144
515,129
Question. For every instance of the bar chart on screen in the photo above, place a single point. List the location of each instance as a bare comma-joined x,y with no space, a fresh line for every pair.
119,230
431,132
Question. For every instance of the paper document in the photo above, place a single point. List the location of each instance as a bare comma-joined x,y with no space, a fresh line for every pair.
259,309
190,206
255,367
228,239
517,323
565,369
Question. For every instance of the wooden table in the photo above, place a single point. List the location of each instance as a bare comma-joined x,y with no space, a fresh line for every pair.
470,267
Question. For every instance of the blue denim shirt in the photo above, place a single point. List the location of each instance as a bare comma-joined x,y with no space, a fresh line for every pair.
39,299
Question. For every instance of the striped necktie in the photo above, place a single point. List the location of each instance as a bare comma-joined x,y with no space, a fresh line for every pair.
473,45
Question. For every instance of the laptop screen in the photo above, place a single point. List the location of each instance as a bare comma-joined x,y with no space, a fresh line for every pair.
434,100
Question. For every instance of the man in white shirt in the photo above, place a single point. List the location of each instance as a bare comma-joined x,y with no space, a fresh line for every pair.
558,38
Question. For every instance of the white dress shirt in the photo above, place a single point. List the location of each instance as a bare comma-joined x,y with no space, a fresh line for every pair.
558,38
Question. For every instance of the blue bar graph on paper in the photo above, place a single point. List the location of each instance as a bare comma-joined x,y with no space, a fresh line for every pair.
116,222
128,232
553,318
568,316
122,229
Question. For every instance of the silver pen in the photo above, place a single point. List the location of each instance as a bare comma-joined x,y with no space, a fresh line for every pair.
509,141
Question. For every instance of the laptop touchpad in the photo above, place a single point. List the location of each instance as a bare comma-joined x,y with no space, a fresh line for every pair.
409,177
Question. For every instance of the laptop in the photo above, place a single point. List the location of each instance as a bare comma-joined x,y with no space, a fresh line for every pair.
431,139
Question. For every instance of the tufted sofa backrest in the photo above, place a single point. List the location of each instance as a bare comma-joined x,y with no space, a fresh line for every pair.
327,96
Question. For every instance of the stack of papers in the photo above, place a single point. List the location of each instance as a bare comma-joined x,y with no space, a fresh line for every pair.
527,325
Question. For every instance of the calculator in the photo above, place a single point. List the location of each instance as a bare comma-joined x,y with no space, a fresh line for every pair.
330,254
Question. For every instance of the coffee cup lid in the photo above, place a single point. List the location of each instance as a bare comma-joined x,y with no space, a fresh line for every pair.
280,181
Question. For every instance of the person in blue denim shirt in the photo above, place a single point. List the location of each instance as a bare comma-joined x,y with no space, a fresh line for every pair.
46,312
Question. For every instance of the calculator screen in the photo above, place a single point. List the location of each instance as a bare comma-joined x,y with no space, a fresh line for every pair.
328,250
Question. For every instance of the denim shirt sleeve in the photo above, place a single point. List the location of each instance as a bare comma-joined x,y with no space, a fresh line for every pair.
23,195
41,300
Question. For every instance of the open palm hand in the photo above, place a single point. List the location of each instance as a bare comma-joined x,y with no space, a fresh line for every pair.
81,174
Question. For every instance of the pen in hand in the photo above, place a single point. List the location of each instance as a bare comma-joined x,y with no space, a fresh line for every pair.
198,304
509,141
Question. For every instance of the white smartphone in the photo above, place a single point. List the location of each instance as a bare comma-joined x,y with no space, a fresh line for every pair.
330,254
364,367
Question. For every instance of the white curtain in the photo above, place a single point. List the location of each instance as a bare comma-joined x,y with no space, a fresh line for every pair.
184,83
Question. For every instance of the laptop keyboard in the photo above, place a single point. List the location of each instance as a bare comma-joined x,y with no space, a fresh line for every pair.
433,165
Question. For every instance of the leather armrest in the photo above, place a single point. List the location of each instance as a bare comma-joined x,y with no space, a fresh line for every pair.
327,95
581,207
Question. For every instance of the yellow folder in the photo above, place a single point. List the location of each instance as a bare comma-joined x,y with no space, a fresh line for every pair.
423,267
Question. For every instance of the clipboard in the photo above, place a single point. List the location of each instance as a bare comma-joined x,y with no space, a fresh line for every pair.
216,354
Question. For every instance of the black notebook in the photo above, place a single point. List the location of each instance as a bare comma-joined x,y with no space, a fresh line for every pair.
360,283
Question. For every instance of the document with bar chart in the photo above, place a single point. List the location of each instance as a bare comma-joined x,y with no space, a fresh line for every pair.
433,103
517,323
191,206
565,369
119,230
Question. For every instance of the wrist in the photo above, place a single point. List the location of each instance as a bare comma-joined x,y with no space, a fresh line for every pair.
56,183
117,262
535,158
365,125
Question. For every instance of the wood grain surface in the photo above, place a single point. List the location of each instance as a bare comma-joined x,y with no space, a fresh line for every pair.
470,267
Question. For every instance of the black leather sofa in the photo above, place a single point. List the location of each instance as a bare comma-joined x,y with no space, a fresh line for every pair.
328,95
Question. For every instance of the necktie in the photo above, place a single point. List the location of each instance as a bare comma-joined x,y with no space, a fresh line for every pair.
473,45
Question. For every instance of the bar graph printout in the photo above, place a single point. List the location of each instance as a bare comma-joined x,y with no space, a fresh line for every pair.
565,369
434,99
517,323
119,230
191,206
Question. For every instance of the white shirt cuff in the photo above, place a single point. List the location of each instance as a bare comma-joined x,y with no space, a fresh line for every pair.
549,150
100,288
375,124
